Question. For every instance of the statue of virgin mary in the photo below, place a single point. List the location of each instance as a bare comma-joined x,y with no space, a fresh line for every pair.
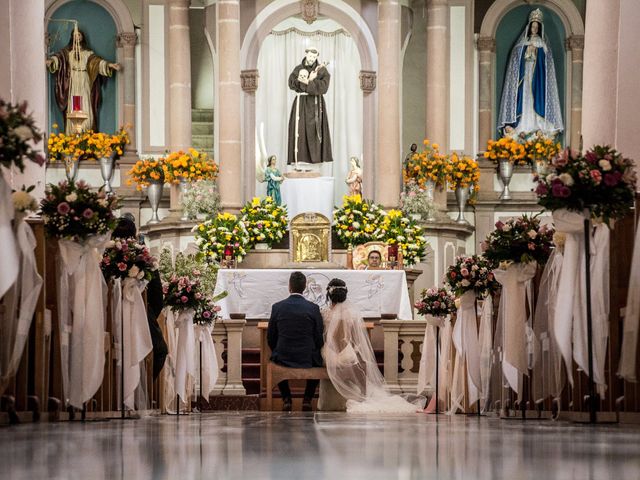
530,100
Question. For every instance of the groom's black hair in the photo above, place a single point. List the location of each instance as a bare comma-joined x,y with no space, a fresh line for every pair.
297,282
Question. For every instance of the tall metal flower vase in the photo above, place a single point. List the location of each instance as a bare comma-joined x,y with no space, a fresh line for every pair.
462,197
107,167
154,193
184,186
505,172
540,167
71,167
430,190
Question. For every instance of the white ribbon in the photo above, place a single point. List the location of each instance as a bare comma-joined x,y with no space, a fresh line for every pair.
570,319
10,266
512,320
127,306
465,340
485,338
627,368
20,304
427,370
185,352
83,357
209,361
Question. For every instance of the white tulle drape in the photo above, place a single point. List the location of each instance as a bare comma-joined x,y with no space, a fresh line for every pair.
210,369
279,54
628,365
10,266
428,358
352,366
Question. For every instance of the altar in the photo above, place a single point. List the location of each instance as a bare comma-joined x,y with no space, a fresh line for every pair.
302,195
373,292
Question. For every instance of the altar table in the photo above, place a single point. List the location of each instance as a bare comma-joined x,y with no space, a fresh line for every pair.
254,291
302,195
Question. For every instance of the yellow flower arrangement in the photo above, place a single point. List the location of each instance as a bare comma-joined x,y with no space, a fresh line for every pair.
427,165
400,230
85,145
506,148
462,171
145,172
190,166
358,221
541,147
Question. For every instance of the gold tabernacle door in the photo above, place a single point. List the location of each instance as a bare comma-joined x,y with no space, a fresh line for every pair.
310,238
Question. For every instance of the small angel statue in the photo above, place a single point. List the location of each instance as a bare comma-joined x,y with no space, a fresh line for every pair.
354,178
267,170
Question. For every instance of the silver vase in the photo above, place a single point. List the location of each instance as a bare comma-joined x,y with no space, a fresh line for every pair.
107,166
540,167
184,186
71,167
429,190
462,197
505,171
154,193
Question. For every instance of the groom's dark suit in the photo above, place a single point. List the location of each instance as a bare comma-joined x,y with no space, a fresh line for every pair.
295,335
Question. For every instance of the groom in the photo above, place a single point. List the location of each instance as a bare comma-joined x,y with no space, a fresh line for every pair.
295,337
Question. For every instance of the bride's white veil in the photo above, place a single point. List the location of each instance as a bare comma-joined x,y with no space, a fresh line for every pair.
352,366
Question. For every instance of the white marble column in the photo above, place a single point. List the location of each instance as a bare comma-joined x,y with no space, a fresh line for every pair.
179,75
229,95
486,57
437,81
127,41
389,165
575,44
599,93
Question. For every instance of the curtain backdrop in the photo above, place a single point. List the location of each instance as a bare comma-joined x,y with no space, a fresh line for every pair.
281,51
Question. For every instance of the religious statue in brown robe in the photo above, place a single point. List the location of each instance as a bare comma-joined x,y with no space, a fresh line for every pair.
309,140
79,73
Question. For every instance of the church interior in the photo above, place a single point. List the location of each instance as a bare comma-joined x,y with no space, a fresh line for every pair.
455,179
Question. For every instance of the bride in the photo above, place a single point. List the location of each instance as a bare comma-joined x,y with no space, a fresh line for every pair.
351,363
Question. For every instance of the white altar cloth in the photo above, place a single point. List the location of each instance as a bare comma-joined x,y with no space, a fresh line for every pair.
302,195
253,291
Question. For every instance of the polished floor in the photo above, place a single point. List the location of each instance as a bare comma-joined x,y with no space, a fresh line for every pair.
253,445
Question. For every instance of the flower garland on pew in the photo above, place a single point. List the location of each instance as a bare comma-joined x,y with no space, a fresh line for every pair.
82,221
516,248
598,185
471,278
437,305
128,267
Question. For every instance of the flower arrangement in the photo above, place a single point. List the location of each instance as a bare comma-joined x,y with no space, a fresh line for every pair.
602,180
201,198
17,130
145,171
358,221
399,230
519,240
471,273
506,148
265,220
428,165
126,258
438,302
207,311
415,201
462,172
190,166
90,144
182,293
73,211
540,147
23,201
221,236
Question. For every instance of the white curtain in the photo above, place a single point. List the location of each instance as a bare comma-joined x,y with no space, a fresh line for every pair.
281,51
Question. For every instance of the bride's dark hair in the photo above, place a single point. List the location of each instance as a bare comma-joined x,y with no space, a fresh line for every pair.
337,291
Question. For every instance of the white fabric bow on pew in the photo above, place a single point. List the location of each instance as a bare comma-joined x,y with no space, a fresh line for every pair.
627,368
209,360
10,266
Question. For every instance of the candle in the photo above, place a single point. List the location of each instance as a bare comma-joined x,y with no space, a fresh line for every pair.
228,251
77,103
392,252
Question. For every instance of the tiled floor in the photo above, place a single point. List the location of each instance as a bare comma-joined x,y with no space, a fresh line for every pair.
325,445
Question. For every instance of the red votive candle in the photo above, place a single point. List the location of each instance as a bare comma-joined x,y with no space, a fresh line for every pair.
228,251
77,103
392,251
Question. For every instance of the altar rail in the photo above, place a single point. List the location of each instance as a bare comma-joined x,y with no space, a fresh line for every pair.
402,350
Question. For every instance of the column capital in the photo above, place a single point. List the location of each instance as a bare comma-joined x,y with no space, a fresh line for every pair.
574,42
249,80
309,10
367,81
179,3
437,3
486,44
127,39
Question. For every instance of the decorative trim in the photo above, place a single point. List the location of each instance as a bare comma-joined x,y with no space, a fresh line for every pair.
127,39
574,42
249,80
367,81
309,10
486,44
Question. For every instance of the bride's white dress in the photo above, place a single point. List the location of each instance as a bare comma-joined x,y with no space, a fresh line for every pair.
352,366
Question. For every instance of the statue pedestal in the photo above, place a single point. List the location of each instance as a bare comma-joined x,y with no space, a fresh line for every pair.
302,174
302,195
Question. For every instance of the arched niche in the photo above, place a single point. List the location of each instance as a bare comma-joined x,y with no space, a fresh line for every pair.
273,14
104,22
497,35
